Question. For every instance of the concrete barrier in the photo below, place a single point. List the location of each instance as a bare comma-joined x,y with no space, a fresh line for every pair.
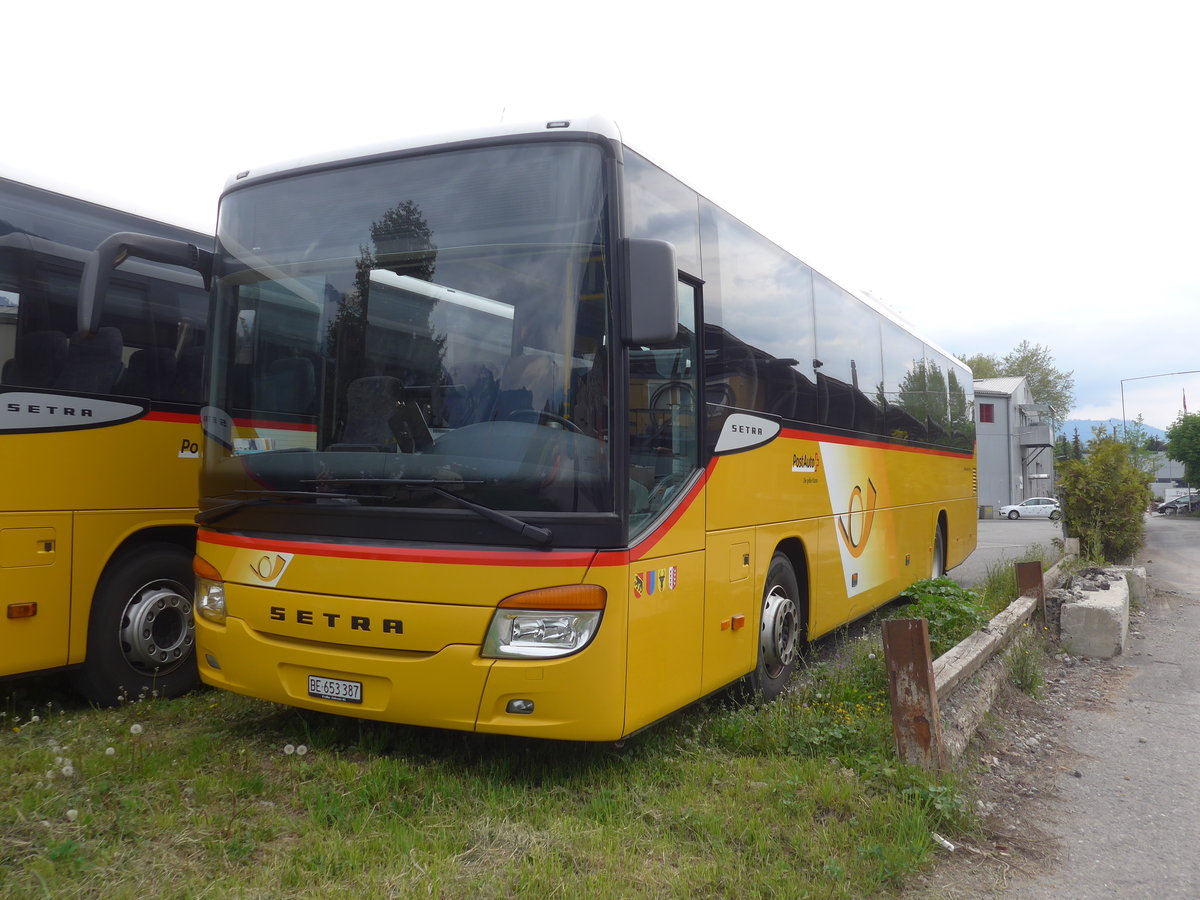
1097,623
964,659
968,676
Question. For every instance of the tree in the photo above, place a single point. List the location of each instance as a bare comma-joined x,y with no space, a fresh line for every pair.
1050,386
1103,500
983,365
1139,450
1076,446
1183,444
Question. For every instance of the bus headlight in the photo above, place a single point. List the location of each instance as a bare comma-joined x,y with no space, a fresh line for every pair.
210,600
210,591
545,623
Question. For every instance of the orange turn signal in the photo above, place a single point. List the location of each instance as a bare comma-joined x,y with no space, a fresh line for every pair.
571,596
205,569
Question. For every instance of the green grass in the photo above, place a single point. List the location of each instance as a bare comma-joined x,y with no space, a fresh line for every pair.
799,798
1024,663
219,795
999,585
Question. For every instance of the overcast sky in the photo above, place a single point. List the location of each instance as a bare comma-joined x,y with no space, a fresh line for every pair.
1027,170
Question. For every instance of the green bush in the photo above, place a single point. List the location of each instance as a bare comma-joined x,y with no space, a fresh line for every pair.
953,612
1103,498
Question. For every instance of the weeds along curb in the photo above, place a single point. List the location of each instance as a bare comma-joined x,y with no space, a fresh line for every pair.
964,700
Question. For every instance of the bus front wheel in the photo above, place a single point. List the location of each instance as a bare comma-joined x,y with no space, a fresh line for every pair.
141,638
780,631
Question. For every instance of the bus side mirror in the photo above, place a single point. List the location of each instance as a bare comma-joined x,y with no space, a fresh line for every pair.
652,314
114,250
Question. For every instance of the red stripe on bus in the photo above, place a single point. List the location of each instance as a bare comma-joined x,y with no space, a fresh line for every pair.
528,558
180,418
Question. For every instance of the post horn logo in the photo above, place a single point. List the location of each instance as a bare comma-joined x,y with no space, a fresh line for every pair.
269,568
855,525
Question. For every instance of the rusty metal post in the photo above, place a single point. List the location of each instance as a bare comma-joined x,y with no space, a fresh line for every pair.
916,718
1031,583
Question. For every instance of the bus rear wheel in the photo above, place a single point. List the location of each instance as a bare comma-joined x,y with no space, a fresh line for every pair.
141,637
780,631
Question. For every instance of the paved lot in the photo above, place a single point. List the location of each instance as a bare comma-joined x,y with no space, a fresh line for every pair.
1129,818
1001,539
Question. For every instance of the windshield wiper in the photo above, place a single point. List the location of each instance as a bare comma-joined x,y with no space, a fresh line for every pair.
265,498
535,533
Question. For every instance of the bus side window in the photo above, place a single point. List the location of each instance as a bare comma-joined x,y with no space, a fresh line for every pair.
93,363
38,359
10,303
663,426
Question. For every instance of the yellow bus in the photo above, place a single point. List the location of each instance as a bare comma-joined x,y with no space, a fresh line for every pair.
99,445
512,432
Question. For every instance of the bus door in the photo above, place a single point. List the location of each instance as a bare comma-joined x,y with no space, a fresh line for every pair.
666,579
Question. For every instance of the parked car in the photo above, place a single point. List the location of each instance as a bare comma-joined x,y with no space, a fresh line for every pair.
1179,505
1033,508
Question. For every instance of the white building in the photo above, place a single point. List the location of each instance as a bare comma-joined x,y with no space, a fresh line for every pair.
1169,477
1014,441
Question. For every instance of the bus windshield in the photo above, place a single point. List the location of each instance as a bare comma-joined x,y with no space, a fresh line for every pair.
412,333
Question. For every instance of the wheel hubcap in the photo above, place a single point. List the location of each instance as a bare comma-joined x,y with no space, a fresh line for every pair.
780,631
157,632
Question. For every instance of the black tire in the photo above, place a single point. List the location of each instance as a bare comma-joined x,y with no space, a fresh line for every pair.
141,637
780,632
1055,516
1013,514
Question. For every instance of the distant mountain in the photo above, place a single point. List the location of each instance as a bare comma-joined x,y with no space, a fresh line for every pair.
1085,427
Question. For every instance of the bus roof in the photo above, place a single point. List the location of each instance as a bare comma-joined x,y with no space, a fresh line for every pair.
598,125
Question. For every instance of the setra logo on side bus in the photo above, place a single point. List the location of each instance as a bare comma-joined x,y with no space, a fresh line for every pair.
32,411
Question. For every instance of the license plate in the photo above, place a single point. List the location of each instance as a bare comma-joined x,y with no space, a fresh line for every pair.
335,689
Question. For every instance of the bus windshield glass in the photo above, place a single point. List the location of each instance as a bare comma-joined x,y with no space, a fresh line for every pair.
412,333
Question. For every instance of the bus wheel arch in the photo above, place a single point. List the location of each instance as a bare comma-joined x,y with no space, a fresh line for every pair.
938,562
783,623
141,636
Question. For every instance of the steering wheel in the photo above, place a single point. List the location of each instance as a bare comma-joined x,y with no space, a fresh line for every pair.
663,390
541,417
